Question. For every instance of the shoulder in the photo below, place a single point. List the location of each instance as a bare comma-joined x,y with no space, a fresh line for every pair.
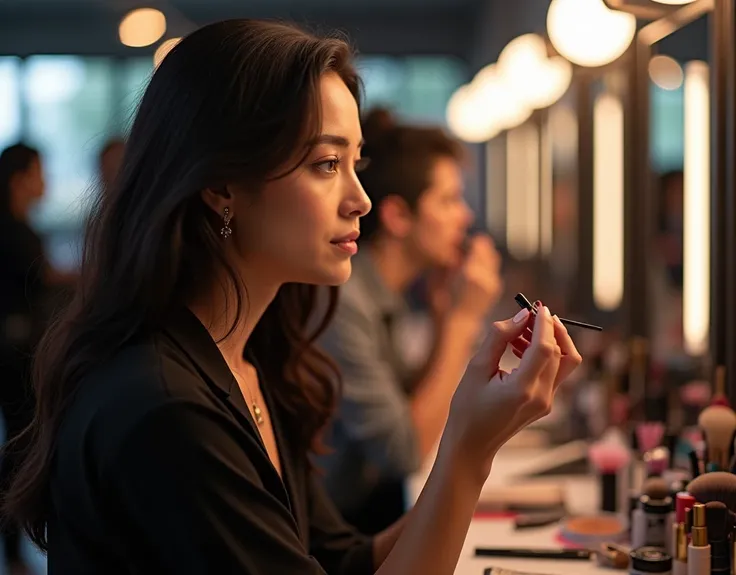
143,379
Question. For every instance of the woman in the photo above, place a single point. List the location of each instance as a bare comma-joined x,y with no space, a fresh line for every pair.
180,395
391,415
23,294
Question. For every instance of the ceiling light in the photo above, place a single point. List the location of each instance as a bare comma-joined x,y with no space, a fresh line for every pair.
142,27
665,72
587,32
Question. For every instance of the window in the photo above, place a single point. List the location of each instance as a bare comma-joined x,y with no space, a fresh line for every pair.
667,117
69,105
415,88
10,110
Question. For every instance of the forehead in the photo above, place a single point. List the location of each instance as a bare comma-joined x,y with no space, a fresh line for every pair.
340,114
446,173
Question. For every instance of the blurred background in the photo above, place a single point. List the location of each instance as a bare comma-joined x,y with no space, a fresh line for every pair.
589,132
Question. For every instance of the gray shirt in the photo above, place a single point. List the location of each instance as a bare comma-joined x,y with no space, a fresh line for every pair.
372,436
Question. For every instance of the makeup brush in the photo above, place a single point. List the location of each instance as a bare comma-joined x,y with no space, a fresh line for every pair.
649,435
716,519
608,458
655,488
718,424
524,303
719,388
715,486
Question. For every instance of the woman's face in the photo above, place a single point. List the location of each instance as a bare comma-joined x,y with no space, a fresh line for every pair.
301,228
442,217
27,188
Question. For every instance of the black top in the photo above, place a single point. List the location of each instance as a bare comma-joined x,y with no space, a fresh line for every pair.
159,469
22,285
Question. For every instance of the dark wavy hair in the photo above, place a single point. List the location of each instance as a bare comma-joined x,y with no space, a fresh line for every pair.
234,102
402,157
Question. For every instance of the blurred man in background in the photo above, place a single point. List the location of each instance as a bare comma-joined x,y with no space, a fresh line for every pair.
390,416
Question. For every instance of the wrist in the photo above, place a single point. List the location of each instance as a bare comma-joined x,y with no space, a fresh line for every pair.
460,322
471,467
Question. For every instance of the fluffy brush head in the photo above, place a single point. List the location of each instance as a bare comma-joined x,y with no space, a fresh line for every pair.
715,486
608,456
655,488
649,435
718,422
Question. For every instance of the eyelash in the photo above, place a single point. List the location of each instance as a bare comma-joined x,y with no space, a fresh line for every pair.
360,165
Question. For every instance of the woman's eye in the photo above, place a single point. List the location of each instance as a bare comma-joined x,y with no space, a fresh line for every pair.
362,164
328,166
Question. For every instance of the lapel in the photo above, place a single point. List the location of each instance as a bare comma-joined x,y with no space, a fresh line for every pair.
195,341
292,470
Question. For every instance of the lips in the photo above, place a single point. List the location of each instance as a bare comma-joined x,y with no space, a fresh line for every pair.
351,237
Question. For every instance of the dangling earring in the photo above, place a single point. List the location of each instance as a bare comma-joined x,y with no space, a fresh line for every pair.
226,231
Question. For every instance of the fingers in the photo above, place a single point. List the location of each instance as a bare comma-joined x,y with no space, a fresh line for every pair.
482,248
484,364
519,346
571,358
505,332
541,349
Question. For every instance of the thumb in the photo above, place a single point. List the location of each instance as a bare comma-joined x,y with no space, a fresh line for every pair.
502,333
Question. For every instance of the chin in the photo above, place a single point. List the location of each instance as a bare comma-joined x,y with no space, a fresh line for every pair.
332,275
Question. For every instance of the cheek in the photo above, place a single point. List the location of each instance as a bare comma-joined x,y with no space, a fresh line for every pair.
288,222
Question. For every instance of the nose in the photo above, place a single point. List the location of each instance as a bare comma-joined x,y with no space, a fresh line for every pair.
357,203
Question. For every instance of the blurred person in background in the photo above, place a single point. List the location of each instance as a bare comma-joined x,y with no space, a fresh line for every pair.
23,294
390,417
111,156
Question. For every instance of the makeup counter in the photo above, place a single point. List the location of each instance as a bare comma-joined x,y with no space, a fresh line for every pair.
662,503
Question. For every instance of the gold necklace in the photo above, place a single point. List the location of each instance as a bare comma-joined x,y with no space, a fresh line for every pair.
257,412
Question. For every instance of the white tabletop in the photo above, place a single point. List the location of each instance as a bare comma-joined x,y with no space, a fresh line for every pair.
581,494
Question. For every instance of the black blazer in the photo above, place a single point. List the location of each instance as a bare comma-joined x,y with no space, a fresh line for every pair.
159,469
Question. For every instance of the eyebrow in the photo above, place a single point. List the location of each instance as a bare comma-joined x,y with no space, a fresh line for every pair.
334,140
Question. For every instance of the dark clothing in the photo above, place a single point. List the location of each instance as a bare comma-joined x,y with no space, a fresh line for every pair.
159,469
23,305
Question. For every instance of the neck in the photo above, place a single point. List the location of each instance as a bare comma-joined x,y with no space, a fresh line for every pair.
217,310
394,264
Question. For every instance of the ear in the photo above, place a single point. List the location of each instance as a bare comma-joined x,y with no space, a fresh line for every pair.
218,199
395,216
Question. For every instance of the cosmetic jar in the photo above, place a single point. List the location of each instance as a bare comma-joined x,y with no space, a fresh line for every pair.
645,560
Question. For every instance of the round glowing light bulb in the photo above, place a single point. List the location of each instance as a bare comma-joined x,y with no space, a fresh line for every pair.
530,75
499,107
463,116
587,32
665,72
142,27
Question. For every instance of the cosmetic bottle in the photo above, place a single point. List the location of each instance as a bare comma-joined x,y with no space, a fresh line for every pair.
649,523
679,564
698,552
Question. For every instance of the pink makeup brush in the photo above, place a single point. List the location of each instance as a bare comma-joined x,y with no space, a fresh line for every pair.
608,458
649,435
